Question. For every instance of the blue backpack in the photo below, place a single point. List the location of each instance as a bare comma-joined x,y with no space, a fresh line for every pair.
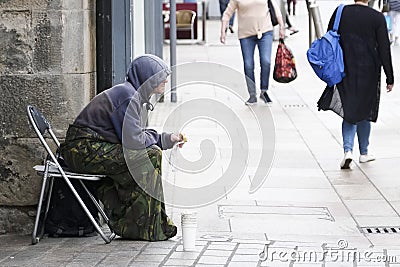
326,56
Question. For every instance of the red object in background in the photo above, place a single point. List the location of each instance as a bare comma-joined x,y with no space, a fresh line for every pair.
181,34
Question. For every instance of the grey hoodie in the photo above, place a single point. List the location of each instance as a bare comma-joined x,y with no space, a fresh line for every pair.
116,114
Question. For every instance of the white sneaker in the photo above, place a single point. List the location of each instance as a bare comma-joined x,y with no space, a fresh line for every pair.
347,159
367,158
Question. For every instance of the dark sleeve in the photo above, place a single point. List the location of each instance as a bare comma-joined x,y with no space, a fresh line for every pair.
164,139
384,49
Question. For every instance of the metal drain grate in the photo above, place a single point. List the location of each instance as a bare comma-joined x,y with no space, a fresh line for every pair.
295,106
380,230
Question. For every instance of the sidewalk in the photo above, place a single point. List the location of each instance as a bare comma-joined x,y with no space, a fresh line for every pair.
306,205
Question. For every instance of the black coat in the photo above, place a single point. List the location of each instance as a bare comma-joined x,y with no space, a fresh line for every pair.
366,48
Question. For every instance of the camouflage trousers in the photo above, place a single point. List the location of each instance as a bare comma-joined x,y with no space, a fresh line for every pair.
132,197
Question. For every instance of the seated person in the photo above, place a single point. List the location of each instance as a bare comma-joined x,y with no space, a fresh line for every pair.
109,137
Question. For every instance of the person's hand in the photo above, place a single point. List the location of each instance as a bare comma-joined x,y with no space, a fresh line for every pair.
224,27
180,139
175,138
222,37
389,87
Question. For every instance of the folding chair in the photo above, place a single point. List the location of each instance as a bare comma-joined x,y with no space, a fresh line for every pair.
52,169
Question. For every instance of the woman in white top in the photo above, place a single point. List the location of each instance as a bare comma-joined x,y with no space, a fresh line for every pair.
254,28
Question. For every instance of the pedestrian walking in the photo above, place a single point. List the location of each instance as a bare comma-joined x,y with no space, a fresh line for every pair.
254,29
222,6
394,14
366,48
108,137
289,4
290,26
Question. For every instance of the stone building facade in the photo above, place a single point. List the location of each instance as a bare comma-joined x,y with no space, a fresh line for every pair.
47,59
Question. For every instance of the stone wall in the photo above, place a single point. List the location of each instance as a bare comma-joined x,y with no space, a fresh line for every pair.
47,59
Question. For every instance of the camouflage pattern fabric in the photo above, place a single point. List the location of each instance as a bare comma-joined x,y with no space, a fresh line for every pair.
133,213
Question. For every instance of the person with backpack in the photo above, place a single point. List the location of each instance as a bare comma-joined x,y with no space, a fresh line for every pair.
110,137
366,48
255,28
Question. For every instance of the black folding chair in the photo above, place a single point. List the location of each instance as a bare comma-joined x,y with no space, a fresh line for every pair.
52,169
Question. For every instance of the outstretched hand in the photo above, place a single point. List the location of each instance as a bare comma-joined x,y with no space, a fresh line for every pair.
222,38
179,139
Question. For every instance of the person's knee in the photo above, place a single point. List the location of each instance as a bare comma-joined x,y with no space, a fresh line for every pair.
248,66
266,63
248,71
154,151
155,148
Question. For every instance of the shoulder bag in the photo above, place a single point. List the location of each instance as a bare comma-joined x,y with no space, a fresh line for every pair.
272,13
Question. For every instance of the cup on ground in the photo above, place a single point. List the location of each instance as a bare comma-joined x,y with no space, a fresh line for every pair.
189,229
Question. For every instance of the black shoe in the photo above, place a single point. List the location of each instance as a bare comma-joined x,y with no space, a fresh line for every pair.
265,97
252,101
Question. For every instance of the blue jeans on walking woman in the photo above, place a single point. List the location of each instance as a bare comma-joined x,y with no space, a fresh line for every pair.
248,46
363,129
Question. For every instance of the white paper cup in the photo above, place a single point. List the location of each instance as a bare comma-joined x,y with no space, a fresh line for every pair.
189,229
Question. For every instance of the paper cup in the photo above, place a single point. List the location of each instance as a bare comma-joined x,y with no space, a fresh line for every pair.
189,229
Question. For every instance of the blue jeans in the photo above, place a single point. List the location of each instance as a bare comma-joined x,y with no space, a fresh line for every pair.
248,46
363,129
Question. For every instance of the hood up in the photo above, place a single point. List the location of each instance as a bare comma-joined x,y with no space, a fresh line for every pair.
145,73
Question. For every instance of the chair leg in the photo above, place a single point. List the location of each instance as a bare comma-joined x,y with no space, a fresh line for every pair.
35,236
49,194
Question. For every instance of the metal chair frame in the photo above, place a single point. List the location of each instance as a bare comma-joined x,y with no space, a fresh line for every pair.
52,169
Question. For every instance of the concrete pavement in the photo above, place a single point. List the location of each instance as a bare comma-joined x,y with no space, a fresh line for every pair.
307,212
